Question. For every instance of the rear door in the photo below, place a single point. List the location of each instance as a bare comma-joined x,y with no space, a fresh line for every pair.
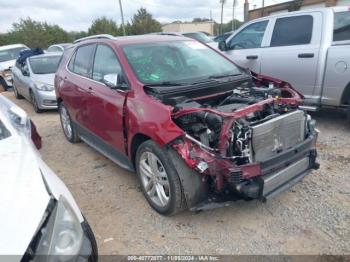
77,82
293,51
245,46
105,105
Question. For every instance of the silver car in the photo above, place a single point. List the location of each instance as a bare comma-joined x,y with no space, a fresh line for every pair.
35,80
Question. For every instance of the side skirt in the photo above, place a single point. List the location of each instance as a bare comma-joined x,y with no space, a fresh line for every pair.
104,148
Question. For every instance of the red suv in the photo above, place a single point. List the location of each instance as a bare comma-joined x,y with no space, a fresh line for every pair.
199,131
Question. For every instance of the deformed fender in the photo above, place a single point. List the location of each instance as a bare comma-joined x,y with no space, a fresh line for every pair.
195,189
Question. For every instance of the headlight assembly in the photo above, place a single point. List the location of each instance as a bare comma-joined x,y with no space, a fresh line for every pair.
62,237
43,87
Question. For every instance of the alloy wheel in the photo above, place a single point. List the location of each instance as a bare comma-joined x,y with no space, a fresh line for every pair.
66,123
154,179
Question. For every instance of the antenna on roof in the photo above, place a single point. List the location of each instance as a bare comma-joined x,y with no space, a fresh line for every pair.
102,36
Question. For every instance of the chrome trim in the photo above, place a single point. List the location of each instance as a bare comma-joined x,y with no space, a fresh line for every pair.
101,36
275,180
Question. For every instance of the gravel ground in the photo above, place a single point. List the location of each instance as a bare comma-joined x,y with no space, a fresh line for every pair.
311,218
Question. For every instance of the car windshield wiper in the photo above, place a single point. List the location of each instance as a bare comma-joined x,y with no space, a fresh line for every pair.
223,76
166,83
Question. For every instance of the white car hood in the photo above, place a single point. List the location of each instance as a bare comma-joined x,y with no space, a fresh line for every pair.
23,195
7,64
44,78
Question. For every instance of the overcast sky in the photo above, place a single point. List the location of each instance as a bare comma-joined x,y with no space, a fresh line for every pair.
76,15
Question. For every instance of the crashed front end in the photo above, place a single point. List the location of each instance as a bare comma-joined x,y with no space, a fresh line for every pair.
250,143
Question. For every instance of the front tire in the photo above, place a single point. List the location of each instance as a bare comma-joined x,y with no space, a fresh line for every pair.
35,103
68,128
3,85
15,92
159,180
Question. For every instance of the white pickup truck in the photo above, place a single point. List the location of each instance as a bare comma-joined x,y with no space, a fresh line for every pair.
309,49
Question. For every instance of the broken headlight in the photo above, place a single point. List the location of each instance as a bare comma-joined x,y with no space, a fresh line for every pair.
62,237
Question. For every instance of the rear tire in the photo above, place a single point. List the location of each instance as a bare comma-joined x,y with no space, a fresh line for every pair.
68,128
159,180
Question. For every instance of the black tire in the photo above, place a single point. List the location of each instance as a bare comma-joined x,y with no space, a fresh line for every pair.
74,136
348,112
176,202
3,85
35,103
16,93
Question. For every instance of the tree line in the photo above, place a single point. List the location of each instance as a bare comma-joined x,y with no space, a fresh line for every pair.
41,34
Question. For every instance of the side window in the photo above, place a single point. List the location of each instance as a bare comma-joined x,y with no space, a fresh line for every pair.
249,37
105,63
82,60
71,62
341,26
296,30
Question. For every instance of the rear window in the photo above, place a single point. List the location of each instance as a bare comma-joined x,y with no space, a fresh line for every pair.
4,133
45,65
341,26
296,30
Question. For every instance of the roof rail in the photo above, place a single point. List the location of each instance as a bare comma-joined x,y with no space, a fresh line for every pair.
106,36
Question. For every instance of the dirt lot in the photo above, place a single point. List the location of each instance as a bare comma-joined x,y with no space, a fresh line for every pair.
312,218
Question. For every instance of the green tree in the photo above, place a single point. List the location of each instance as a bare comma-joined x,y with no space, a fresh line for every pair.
143,23
35,34
103,25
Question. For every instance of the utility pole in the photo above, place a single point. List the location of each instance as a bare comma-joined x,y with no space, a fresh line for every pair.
233,14
121,13
263,7
222,13
211,24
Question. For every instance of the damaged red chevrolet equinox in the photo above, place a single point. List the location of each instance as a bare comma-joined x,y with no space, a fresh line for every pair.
199,131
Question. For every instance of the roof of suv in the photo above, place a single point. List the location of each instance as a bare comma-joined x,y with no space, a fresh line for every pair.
139,39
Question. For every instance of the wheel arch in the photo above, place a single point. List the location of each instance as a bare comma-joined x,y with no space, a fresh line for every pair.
136,141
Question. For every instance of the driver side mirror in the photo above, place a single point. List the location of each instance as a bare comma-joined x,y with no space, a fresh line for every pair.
25,71
222,45
114,81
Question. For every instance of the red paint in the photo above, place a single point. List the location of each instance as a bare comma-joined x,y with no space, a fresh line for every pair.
117,117
36,138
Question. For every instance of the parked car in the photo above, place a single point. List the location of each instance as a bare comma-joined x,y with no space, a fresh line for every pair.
58,47
307,49
38,215
198,130
34,80
8,56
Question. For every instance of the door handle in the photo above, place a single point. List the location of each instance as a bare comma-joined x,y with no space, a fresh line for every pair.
306,55
252,57
90,90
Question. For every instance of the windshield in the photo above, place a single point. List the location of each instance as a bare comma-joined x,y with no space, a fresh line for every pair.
201,37
10,54
341,26
44,65
177,61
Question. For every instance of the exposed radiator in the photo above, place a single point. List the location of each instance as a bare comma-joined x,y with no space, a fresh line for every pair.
277,135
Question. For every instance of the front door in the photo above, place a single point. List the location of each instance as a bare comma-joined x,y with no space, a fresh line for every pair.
105,105
244,47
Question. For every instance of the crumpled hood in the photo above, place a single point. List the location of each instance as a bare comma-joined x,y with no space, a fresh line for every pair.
45,78
23,195
7,64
